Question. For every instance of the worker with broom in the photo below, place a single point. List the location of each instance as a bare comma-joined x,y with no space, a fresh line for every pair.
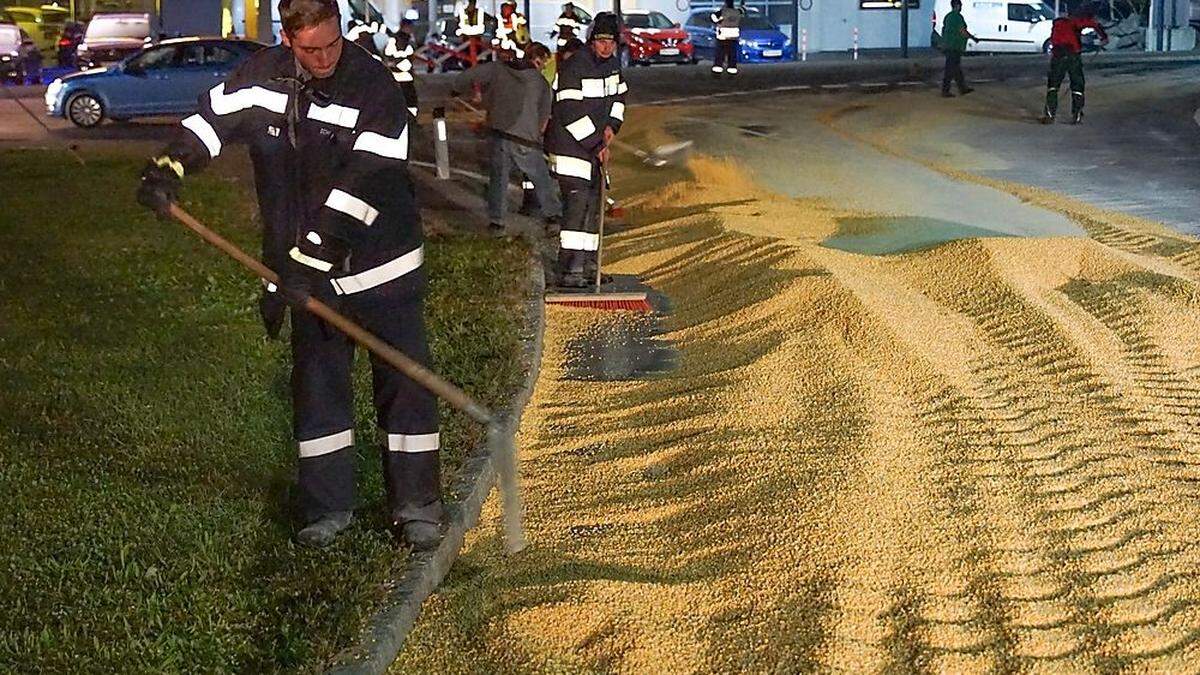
589,108
517,101
327,131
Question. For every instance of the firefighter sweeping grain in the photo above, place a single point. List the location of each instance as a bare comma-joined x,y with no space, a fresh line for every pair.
971,458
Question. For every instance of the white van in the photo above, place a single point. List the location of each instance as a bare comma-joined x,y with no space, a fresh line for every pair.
1001,25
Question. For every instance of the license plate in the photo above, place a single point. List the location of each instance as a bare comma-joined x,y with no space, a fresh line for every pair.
668,51
772,53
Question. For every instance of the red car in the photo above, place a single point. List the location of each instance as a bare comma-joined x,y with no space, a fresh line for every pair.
650,37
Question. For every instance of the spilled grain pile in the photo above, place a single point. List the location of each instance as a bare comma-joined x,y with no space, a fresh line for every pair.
976,457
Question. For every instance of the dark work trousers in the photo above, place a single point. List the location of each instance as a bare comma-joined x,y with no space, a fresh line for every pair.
529,160
953,72
579,236
1062,65
323,409
726,59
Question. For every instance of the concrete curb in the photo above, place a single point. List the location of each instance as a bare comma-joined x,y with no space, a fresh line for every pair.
389,627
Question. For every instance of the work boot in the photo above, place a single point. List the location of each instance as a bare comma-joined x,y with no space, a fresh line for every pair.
966,90
418,534
496,230
322,531
1046,118
1077,117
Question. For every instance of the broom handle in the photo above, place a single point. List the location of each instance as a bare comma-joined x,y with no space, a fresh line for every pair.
415,371
603,207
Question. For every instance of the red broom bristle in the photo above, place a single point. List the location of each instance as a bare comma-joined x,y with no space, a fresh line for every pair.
625,305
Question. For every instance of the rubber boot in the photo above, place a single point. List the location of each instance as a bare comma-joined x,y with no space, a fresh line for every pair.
420,535
324,530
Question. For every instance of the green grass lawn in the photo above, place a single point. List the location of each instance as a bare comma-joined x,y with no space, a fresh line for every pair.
145,455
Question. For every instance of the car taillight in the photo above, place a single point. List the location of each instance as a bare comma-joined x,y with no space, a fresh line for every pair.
64,42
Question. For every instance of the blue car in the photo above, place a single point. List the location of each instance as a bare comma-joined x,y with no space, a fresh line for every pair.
761,41
162,79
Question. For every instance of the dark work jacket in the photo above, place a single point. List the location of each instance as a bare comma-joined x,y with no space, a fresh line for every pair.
330,156
589,94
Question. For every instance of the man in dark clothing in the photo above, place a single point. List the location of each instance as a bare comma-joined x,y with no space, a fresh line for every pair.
328,136
954,44
517,99
398,54
1066,44
589,108
567,25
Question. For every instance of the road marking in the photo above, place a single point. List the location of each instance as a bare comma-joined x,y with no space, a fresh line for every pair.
793,87
985,80
835,86
873,85
909,83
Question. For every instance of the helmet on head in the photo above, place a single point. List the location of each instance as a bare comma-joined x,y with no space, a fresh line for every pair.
410,15
604,27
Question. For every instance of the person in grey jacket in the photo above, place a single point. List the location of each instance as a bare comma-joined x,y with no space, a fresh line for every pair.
728,20
517,99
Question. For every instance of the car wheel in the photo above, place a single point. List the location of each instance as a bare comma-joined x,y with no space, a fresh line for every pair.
1046,48
85,110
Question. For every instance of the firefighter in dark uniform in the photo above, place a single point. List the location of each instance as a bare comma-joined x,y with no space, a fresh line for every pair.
727,20
588,110
363,34
1066,45
328,136
398,54
567,26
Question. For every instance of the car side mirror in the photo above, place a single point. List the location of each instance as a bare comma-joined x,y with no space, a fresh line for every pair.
1036,18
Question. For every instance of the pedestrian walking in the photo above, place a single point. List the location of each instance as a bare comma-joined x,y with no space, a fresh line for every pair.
589,108
1066,60
517,100
728,22
954,44
328,135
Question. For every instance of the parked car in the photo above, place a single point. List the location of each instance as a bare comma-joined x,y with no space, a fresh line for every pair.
20,60
760,40
110,38
1001,25
650,37
44,24
162,79
68,43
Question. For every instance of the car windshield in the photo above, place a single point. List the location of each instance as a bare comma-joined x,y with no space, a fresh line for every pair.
10,37
757,22
100,29
651,20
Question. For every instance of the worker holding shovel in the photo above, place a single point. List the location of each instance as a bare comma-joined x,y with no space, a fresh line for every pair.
589,108
327,131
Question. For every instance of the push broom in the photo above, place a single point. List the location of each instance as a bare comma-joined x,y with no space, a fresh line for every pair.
500,447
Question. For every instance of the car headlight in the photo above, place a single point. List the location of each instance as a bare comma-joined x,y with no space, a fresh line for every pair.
787,41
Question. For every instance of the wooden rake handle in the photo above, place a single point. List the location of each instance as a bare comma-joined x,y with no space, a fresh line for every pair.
394,357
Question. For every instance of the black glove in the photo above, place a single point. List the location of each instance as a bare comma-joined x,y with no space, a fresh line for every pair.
160,184
310,266
272,308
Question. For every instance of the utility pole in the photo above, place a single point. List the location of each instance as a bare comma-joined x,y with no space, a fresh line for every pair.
904,29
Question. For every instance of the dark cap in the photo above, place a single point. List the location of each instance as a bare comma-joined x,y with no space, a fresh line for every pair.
604,27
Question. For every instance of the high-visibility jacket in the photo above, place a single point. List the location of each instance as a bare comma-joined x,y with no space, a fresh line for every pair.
511,32
397,56
589,94
727,21
1066,33
330,164
470,22
568,26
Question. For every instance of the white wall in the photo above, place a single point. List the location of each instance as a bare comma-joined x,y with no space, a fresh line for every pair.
831,25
